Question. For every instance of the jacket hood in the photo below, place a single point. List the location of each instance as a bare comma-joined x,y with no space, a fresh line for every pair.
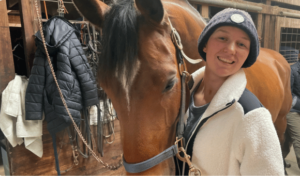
56,31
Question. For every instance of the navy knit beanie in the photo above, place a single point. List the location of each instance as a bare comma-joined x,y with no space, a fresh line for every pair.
236,18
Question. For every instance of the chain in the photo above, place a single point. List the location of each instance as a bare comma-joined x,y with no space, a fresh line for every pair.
105,165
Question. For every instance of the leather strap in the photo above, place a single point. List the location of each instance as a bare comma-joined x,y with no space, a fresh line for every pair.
99,131
180,126
145,165
86,132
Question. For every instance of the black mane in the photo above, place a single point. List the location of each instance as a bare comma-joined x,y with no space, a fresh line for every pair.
120,41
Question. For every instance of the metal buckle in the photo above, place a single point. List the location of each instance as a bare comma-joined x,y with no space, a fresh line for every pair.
194,171
188,77
176,38
75,156
186,158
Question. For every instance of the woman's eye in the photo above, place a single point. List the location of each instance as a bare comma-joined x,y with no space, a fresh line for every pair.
242,45
222,38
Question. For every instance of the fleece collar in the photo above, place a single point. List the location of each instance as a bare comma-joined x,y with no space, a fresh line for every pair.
231,89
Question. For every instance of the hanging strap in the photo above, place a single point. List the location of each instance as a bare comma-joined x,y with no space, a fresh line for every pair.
55,154
100,131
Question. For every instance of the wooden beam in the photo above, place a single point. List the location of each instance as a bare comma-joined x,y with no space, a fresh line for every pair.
272,32
14,21
27,20
259,25
266,9
7,68
266,31
290,2
277,33
13,12
205,11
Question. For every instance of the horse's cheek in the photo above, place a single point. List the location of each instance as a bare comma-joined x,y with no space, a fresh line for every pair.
170,108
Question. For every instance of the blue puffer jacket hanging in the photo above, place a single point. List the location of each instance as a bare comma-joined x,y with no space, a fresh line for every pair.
73,74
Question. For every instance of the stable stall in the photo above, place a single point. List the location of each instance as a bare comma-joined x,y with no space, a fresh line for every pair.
19,23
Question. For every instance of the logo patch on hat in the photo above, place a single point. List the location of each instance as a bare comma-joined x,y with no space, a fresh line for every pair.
237,18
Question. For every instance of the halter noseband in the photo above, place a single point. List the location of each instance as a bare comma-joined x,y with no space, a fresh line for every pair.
178,148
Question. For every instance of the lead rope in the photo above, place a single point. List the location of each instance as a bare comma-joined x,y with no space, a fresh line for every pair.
105,165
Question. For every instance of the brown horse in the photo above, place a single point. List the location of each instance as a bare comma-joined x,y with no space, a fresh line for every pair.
139,72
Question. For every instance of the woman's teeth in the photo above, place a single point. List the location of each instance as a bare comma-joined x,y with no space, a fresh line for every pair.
225,60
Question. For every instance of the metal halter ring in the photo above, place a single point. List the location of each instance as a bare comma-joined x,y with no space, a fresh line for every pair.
176,38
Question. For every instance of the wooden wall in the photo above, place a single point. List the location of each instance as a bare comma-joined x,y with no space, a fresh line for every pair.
23,162
7,69
268,21
29,27
292,2
268,36
284,22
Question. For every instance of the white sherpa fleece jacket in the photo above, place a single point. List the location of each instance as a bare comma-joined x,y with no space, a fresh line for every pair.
231,143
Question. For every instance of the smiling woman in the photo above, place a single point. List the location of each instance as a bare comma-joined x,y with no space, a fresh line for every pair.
227,50
228,131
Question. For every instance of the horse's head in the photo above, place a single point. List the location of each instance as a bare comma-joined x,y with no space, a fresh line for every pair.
139,71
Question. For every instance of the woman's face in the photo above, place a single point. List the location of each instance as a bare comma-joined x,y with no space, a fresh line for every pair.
226,51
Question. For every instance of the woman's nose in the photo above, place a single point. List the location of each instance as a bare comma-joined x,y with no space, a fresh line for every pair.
230,48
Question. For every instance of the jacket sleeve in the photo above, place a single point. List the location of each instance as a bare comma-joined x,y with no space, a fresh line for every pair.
258,151
84,74
35,89
292,79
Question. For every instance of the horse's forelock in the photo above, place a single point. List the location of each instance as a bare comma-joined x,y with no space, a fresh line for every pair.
120,43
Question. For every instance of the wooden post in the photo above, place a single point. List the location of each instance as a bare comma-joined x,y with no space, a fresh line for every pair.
277,34
266,31
259,25
7,68
272,35
27,21
205,11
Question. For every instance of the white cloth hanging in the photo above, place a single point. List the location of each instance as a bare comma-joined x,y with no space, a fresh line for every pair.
12,118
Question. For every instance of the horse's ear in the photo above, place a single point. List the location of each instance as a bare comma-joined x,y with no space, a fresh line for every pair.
92,10
152,9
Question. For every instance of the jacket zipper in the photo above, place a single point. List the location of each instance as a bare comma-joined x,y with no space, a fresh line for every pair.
201,122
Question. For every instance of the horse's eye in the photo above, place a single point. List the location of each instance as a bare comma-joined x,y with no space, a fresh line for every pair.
170,85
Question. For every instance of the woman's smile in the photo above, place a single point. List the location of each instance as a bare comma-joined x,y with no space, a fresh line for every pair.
224,60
